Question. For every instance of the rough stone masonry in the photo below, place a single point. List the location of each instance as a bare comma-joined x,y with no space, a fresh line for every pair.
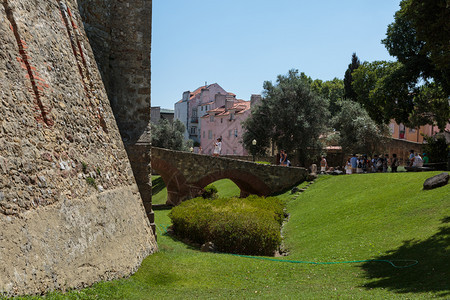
71,212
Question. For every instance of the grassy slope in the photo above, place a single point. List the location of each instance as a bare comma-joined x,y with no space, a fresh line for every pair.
341,218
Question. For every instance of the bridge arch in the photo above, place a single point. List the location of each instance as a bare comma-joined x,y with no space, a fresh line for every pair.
246,182
186,174
179,190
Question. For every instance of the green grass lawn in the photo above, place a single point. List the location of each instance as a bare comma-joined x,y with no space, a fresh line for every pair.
337,219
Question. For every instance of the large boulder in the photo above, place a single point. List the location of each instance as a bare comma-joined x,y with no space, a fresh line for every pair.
436,181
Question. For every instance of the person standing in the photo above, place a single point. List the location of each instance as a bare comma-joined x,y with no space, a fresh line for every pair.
374,163
354,163
359,165
348,167
411,157
217,147
425,159
283,158
385,163
323,165
394,163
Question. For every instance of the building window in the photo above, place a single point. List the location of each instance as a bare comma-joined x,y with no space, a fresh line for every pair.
231,116
221,120
193,130
412,130
401,131
194,113
211,118
235,132
210,134
230,133
203,134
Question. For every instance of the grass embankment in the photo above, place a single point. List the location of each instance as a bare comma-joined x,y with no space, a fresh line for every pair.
342,218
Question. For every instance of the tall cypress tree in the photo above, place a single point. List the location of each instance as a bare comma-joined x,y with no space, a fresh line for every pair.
349,93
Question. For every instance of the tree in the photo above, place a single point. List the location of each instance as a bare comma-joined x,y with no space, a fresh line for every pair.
290,115
349,93
417,91
357,132
436,148
419,38
169,135
386,91
384,99
332,90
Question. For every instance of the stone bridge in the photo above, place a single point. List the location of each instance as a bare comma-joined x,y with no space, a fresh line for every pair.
186,174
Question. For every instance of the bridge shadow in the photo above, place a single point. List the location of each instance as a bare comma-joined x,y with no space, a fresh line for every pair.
157,185
431,274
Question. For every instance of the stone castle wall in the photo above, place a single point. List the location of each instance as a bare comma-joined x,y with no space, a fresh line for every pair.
70,209
120,36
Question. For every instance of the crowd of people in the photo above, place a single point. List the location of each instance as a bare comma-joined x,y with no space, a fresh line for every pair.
378,163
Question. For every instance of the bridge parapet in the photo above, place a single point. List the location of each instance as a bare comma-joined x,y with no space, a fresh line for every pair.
186,174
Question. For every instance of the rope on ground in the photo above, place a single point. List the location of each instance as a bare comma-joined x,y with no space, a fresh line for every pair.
409,262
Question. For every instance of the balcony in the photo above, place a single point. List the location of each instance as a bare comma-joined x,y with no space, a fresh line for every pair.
194,120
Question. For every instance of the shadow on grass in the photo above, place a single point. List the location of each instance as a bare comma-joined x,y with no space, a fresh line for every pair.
431,274
157,185
186,242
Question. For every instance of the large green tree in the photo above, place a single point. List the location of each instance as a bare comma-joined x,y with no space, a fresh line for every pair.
416,91
290,115
357,132
385,90
169,135
420,39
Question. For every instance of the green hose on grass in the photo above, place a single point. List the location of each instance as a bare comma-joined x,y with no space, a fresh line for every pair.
408,262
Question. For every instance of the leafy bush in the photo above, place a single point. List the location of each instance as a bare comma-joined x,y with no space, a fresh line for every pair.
210,191
436,148
245,226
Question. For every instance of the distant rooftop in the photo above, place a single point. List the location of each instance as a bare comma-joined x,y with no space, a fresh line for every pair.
167,111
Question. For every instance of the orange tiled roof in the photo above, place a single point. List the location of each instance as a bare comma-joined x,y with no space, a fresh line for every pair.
196,92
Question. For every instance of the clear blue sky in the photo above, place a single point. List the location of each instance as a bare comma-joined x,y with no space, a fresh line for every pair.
241,43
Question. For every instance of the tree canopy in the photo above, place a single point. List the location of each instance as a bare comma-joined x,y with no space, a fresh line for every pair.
415,90
290,115
333,90
357,132
169,135
420,39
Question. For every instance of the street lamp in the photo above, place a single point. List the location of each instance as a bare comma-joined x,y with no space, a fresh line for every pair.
254,148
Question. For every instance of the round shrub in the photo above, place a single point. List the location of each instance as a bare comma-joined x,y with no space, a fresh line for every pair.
246,230
210,191
245,226
191,218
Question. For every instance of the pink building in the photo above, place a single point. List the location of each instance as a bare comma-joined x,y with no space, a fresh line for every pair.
400,131
194,105
224,120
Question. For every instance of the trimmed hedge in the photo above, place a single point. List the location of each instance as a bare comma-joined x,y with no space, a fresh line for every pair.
243,226
210,191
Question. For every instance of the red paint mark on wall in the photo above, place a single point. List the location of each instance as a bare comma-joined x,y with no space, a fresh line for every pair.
77,49
42,111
